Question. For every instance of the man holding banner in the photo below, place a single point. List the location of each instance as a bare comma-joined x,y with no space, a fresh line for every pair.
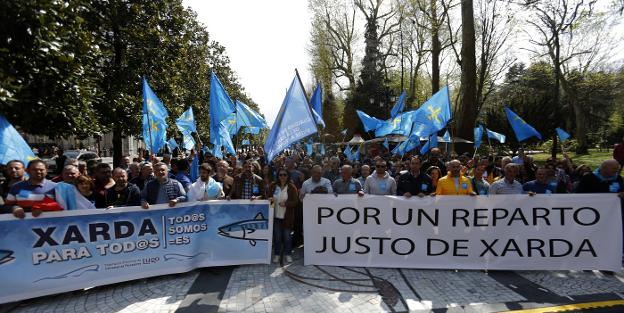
205,188
162,189
414,182
346,184
32,194
454,183
380,182
508,185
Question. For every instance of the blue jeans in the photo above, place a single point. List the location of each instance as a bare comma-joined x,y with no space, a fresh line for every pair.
281,235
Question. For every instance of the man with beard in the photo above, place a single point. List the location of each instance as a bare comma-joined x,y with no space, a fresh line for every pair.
123,193
247,185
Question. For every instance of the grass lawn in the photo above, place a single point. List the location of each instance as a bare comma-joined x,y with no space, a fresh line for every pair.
593,159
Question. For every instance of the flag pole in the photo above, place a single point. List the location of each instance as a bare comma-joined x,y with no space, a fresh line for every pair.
236,119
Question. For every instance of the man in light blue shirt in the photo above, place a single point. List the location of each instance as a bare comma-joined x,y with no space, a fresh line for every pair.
508,185
316,183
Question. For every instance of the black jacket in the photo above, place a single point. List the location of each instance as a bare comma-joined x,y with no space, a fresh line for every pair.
129,196
591,183
414,184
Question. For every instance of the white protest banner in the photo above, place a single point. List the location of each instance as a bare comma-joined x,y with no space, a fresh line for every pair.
510,232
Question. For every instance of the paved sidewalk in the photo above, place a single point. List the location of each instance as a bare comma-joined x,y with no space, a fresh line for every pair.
298,288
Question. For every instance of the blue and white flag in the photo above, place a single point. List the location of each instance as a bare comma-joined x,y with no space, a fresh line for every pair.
386,144
249,117
563,135
246,142
232,124
216,151
322,150
188,143
221,106
293,122
194,171
154,120
520,127
494,135
172,144
69,198
370,123
433,115
251,130
186,125
399,125
406,146
245,117
12,145
347,152
447,136
478,135
186,122
356,155
399,105
309,148
431,143
316,102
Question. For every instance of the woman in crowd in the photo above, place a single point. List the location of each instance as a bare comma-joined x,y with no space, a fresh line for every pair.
267,177
86,188
578,174
284,199
434,173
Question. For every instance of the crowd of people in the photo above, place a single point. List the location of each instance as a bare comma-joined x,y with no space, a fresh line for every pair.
290,177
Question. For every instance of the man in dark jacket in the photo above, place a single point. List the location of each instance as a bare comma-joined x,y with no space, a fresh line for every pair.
123,193
162,189
435,159
603,180
247,185
147,174
414,182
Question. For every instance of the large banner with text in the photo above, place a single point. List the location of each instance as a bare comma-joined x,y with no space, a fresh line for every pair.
510,232
64,251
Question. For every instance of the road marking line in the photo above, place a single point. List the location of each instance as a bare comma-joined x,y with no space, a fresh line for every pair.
570,307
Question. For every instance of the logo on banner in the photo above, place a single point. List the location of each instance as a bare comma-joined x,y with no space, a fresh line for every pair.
253,230
6,256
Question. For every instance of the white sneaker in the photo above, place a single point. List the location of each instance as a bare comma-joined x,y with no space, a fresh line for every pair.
275,259
289,259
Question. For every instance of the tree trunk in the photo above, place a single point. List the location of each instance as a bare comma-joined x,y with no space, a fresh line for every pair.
553,149
436,49
581,129
117,145
467,113
117,57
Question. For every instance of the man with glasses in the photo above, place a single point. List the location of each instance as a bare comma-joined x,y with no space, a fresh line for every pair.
380,182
